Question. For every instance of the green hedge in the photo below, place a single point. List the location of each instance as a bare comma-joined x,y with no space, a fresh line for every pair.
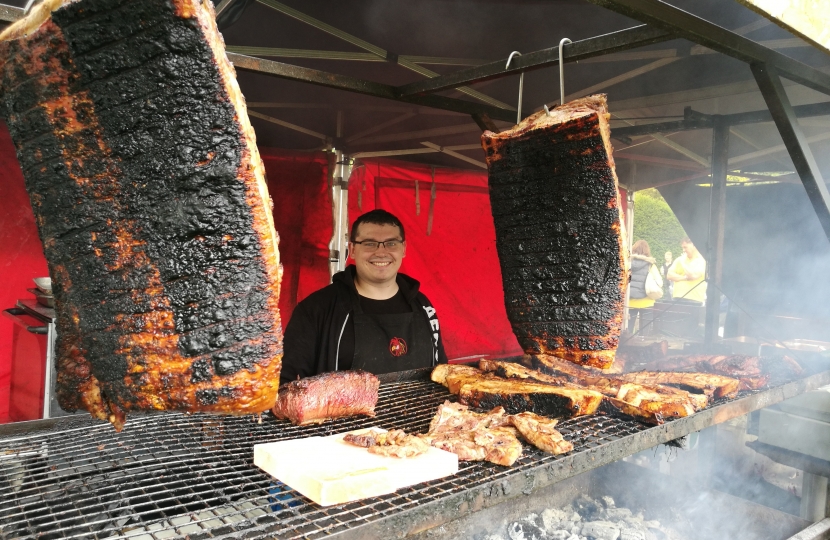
655,223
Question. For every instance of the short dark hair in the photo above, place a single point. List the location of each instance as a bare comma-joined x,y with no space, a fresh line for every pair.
378,216
686,240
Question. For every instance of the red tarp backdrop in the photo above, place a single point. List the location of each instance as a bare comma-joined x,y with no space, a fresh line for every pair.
456,262
21,254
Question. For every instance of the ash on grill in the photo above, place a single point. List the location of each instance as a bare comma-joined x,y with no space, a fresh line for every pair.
587,519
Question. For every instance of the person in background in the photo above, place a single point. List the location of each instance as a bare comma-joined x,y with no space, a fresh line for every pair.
688,272
639,304
371,317
664,271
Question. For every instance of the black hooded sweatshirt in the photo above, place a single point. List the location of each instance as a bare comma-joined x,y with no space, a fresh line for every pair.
315,332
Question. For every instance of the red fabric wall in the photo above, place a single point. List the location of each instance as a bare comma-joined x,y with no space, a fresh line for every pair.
456,263
21,255
299,189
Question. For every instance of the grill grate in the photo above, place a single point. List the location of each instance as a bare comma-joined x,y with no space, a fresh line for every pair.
171,475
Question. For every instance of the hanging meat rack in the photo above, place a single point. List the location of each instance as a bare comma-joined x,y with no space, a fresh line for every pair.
176,475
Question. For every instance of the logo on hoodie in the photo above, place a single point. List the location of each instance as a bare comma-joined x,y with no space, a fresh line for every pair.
397,346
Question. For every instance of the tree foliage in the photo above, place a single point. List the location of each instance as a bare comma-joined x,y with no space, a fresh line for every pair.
655,223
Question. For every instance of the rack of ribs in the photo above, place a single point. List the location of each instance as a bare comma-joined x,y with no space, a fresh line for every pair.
717,386
151,204
485,390
559,231
336,394
618,397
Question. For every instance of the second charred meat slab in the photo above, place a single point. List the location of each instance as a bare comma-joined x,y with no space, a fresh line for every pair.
555,203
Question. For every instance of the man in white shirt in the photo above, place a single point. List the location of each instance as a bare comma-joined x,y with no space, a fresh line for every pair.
687,272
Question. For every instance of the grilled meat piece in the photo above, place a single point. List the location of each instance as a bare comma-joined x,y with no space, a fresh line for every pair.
539,431
453,377
648,400
498,445
474,436
519,396
512,370
555,203
749,370
151,204
710,384
456,416
485,390
336,394
394,443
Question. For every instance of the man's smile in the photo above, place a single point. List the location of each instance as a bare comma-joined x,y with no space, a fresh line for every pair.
381,263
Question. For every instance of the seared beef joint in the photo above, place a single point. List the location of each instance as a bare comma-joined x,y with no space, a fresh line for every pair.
314,400
555,203
151,203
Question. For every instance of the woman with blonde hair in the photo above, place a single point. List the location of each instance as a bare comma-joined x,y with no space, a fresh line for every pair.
643,269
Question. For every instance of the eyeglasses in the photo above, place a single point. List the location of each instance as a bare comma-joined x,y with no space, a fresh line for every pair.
373,245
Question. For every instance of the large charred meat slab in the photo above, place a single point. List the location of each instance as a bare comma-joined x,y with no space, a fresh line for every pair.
151,203
555,203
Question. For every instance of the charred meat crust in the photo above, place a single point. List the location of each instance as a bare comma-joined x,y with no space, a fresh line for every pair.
147,189
314,400
555,204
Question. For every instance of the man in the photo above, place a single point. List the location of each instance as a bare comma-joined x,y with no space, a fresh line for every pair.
371,317
688,272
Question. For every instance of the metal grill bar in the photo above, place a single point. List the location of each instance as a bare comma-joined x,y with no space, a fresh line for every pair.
171,475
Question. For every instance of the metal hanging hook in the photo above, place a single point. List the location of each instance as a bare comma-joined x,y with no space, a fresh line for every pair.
521,84
562,71
561,74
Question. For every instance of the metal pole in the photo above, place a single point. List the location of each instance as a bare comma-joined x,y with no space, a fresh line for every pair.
335,245
629,233
717,221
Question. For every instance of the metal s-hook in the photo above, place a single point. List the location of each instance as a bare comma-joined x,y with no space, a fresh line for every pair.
521,84
562,71
561,75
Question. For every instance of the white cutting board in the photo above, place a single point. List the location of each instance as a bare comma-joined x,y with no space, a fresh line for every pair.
329,471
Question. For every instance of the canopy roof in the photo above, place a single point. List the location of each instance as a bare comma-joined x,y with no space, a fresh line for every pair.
646,84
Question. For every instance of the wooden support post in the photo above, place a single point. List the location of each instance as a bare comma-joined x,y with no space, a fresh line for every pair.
717,221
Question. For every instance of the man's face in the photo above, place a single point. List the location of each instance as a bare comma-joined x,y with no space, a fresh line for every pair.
380,265
690,250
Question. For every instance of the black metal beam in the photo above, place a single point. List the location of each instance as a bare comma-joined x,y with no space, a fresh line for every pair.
361,86
717,224
703,32
706,121
629,38
785,119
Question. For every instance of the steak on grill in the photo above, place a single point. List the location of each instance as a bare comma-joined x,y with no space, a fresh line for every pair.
474,436
151,204
610,403
710,384
558,220
519,396
335,394
486,390
539,431
666,401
